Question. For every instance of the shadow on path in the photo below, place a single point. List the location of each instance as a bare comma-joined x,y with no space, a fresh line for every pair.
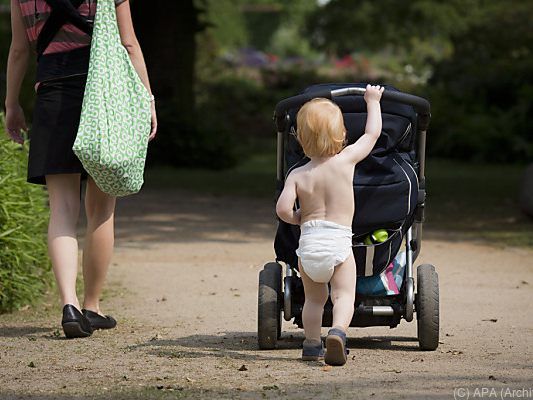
170,216
243,346
18,331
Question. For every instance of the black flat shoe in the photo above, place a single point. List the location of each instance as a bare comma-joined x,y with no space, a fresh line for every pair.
99,322
75,324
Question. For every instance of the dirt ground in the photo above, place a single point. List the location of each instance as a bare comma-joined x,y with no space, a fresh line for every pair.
183,286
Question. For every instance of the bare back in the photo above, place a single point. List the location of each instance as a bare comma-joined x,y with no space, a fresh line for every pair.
324,186
325,189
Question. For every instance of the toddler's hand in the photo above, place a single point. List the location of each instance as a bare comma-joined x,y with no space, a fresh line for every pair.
373,93
298,216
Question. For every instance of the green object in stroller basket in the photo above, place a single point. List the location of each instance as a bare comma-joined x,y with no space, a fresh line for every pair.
378,236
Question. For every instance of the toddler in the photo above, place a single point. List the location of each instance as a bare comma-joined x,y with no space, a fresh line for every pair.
324,189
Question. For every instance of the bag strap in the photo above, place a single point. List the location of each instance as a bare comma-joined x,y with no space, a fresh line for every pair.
63,11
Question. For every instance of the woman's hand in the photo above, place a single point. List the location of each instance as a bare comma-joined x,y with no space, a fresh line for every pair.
15,122
153,132
373,93
130,42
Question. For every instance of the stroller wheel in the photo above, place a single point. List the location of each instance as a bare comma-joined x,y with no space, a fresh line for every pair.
427,307
269,306
274,266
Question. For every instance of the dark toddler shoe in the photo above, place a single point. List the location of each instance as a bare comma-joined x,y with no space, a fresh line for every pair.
312,350
336,351
75,324
99,322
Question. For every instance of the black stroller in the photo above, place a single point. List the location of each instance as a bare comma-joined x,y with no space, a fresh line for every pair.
389,187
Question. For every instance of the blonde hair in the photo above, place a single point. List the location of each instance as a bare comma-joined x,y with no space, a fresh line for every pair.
321,130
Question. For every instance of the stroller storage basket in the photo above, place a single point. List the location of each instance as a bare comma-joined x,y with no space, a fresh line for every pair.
372,259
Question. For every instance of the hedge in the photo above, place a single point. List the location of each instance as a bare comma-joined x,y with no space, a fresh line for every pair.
25,273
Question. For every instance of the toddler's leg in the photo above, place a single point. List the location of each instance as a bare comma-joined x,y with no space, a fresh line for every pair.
343,293
316,295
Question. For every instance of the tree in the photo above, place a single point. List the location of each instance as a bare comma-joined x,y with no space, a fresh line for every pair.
477,55
483,91
346,26
266,25
166,31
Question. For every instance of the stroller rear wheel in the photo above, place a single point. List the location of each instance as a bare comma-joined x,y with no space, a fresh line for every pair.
427,307
274,266
269,306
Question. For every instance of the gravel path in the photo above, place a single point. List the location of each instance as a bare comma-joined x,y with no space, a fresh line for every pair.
183,287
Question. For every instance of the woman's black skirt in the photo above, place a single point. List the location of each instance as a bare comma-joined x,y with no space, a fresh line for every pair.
56,118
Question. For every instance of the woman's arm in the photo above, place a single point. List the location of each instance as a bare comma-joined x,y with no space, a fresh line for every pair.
17,64
130,42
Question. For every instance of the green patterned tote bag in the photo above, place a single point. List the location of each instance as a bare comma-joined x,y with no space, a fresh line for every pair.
115,121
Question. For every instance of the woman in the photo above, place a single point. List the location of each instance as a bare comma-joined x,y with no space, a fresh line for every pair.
60,33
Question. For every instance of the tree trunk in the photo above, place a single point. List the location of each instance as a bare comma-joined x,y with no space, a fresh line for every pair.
526,191
166,31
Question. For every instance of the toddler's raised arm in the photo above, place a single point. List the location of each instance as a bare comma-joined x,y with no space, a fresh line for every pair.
362,147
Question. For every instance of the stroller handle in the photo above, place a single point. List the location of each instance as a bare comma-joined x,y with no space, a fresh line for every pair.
420,104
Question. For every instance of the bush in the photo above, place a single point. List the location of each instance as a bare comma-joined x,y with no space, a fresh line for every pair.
207,145
481,95
24,265
241,101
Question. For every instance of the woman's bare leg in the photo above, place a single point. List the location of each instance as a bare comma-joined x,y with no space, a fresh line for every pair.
316,295
64,198
343,293
99,241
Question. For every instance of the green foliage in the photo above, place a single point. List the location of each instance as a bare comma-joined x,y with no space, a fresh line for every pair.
345,26
261,26
474,55
290,39
482,94
207,145
228,34
241,103
24,265
267,25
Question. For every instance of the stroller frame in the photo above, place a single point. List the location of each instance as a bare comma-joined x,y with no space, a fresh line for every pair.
276,294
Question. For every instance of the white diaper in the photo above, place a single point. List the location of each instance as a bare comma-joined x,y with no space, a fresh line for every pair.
323,245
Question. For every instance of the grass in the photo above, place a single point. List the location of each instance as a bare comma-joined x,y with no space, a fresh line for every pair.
255,177
477,201
465,201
